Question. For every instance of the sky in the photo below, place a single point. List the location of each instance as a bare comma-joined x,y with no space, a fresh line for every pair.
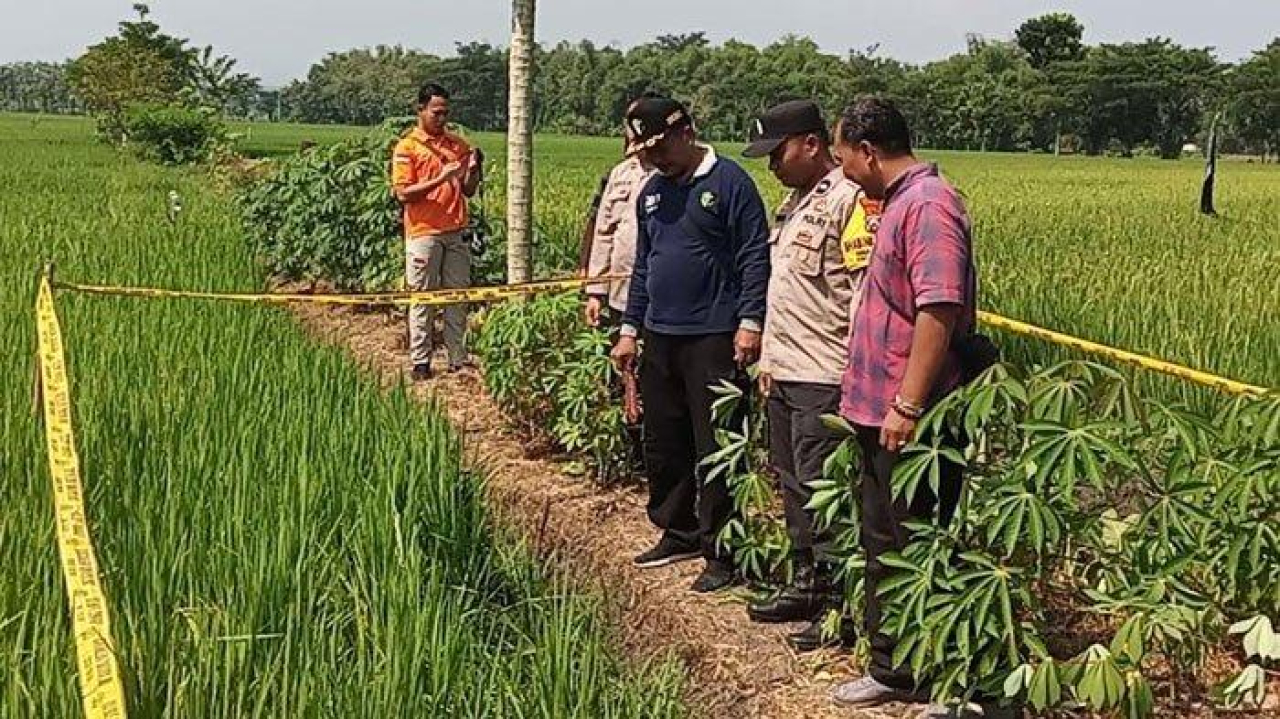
278,40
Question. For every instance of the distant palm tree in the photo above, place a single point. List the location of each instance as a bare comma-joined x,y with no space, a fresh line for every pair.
520,144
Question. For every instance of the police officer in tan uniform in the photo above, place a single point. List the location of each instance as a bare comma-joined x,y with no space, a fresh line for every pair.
610,249
613,243
811,297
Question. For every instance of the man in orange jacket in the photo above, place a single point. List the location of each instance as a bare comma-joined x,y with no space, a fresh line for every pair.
433,172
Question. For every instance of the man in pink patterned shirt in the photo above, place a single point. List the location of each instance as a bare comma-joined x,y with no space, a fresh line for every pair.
919,294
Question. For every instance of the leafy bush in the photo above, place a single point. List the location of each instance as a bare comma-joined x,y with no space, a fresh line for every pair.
757,534
551,375
328,213
1082,500
172,134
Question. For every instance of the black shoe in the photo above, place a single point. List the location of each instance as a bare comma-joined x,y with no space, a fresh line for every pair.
716,576
803,600
422,372
667,551
811,639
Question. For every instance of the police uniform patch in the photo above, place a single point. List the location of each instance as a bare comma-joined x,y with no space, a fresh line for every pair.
860,234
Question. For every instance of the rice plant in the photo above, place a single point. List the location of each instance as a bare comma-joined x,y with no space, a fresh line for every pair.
278,535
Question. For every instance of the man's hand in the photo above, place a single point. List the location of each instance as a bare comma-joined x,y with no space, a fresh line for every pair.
896,431
746,347
455,170
592,311
766,383
624,354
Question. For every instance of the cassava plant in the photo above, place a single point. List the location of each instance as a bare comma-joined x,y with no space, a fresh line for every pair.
551,375
755,534
1081,500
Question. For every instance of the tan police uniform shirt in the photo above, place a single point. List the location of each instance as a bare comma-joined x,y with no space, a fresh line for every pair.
613,248
812,294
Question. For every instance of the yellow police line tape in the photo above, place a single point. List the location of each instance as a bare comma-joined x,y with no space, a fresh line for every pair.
101,690
491,294
430,297
1176,370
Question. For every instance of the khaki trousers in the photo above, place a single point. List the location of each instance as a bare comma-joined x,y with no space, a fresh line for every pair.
431,263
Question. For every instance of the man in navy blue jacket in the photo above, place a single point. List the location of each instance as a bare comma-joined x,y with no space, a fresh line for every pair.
698,297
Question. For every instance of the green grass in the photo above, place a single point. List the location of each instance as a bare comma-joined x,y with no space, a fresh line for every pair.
265,139
278,536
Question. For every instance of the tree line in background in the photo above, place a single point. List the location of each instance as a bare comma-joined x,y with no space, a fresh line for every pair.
1045,90
37,87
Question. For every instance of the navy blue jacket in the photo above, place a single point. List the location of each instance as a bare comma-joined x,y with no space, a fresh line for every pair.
702,253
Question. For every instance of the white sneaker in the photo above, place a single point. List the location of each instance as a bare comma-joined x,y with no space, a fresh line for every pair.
867,692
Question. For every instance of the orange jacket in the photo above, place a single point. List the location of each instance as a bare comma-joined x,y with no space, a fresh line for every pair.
418,157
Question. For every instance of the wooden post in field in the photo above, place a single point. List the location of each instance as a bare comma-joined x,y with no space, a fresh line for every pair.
520,144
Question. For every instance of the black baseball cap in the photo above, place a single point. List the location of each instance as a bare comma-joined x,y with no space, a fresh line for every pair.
650,119
797,117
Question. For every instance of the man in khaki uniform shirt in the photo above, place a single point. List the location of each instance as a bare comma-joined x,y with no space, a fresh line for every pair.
613,244
811,297
610,249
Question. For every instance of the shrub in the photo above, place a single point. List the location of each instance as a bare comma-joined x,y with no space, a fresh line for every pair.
551,375
172,134
328,213
1083,499
1144,527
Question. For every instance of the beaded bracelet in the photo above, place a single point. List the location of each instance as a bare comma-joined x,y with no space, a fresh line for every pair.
906,409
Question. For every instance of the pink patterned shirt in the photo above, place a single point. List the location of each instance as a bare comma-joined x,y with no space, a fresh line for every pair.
923,256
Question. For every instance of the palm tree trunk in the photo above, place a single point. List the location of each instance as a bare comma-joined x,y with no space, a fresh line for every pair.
520,144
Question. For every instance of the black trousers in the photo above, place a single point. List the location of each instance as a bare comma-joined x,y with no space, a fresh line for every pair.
799,444
883,531
676,373
611,322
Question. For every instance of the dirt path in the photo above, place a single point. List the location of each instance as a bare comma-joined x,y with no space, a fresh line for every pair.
736,668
